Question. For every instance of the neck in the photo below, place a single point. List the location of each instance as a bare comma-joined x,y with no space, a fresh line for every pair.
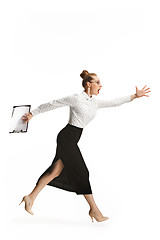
88,94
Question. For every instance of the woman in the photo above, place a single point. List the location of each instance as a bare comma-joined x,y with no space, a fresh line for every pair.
68,170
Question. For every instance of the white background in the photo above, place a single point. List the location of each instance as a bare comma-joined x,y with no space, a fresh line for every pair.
45,45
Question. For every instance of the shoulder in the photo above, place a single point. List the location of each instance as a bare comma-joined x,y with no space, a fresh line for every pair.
71,96
96,101
78,96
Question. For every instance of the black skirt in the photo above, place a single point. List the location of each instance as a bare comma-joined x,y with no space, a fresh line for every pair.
75,175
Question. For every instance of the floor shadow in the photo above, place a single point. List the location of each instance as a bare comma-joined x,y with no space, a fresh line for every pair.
48,220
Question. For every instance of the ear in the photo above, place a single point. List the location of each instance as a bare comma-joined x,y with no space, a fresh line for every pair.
88,84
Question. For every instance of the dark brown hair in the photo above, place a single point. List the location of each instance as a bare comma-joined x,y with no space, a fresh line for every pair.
87,77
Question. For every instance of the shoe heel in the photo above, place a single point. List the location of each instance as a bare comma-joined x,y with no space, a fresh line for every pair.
21,201
91,216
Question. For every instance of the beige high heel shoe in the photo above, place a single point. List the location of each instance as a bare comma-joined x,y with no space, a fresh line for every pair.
27,204
100,219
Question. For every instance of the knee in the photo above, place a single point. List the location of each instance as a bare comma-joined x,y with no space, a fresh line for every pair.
56,172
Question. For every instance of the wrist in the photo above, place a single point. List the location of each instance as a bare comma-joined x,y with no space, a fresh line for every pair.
134,96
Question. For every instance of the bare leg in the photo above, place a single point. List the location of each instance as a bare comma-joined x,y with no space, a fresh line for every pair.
46,179
58,167
91,202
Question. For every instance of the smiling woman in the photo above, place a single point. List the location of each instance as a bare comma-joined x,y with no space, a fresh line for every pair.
68,170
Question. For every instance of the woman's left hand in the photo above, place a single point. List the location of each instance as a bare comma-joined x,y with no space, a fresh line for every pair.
142,92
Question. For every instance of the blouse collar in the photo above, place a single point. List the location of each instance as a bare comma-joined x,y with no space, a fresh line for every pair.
86,95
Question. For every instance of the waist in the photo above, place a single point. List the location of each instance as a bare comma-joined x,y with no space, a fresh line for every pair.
74,131
74,127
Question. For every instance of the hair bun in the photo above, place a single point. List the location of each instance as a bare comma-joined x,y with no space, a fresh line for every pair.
84,73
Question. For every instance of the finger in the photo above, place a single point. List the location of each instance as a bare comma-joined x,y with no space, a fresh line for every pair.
147,89
144,87
24,119
148,92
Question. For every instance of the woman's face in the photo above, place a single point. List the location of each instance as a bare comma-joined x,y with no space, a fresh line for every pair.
95,85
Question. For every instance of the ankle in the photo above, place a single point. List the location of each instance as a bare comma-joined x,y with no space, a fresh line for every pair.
94,209
32,198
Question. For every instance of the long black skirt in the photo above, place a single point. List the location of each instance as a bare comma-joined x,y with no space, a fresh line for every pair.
75,175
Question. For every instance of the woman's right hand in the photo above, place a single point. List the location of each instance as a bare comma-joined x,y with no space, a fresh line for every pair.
27,117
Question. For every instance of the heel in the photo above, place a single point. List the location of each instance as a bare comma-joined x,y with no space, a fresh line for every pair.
91,218
22,200
98,219
91,215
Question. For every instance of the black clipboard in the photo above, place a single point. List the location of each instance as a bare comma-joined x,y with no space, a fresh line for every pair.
17,125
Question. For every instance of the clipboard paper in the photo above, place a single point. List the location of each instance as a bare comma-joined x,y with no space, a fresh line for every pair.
17,125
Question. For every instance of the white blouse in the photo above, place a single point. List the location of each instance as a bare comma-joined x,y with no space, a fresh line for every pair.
82,107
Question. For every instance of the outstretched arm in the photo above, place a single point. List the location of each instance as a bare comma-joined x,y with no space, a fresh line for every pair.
121,100
114,102
65,101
